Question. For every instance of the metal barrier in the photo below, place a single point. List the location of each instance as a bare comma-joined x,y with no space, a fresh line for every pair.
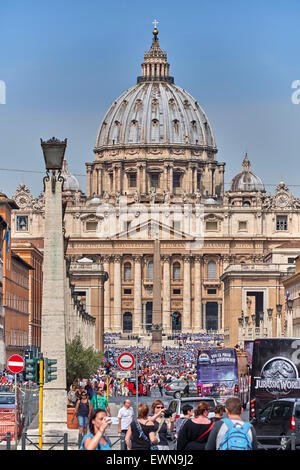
288,443
7,439
120,438
62,440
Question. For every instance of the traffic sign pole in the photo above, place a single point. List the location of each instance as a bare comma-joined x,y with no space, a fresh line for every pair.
137,383
41,385
16,408
16,364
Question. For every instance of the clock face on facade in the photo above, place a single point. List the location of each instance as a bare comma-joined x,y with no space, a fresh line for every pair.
22,200
282,200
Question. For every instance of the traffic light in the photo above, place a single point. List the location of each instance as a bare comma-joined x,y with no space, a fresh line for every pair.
32,369
49,370
107,366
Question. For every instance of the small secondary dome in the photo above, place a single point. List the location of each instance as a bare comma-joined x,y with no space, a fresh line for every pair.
246,180
70,181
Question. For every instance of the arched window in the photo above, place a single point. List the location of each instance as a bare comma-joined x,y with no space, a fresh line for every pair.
176,271
211,270
127,322
127,272
150,270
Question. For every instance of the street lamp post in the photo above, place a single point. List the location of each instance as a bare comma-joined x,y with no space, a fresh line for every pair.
270,330
53,332
289,329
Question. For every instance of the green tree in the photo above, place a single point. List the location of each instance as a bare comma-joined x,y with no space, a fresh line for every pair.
81,362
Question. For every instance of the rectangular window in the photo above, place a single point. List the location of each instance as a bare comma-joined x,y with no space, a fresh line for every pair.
211,291
198,181
132,180
22,223
176,291
176,179
211,226
281,222
242,226
127,291
91,226
154,180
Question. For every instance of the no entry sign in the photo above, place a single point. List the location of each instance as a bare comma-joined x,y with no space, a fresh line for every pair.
126,361
15,364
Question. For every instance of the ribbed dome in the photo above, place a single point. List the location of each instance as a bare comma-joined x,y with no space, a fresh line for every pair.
70,181
246,180
155,111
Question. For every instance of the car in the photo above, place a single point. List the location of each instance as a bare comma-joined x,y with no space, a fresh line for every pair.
7,401
280,417
175,406
175,389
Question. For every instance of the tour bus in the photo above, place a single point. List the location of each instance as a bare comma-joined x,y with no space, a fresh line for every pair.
223,373
275,371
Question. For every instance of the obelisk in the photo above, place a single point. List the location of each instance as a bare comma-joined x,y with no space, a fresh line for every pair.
156,345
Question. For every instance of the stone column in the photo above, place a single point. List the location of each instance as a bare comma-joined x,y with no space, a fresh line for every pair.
186,293
197,295
53,331
167,322
99,183
166,177
117,312
278,325
137,308
89,180
107,313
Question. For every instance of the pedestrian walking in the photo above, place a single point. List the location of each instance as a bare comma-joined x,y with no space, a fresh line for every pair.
95,439
194,433
125,418
163,427
232,433
99,401
82,411
219,411
187,411
141,432
72,398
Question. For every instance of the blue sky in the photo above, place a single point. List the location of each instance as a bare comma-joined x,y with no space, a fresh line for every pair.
64,62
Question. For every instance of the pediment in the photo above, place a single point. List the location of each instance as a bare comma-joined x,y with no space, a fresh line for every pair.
150,230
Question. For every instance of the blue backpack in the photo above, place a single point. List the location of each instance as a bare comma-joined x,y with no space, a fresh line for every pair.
237,437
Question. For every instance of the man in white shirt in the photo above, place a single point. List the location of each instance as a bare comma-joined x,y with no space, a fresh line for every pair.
125,417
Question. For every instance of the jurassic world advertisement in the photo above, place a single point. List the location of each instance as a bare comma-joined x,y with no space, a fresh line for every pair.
217,372
275,368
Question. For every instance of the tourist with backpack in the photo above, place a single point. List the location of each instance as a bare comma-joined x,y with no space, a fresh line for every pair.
232,433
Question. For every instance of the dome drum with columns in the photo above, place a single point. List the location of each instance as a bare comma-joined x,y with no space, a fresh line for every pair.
155,135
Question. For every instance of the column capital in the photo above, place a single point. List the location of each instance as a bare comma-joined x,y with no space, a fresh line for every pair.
165,258
117,258
137,258
187,258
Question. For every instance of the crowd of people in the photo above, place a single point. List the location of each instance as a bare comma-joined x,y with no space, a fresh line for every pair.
154,429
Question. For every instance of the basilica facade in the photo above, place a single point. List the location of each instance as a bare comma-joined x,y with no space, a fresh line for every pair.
155,176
